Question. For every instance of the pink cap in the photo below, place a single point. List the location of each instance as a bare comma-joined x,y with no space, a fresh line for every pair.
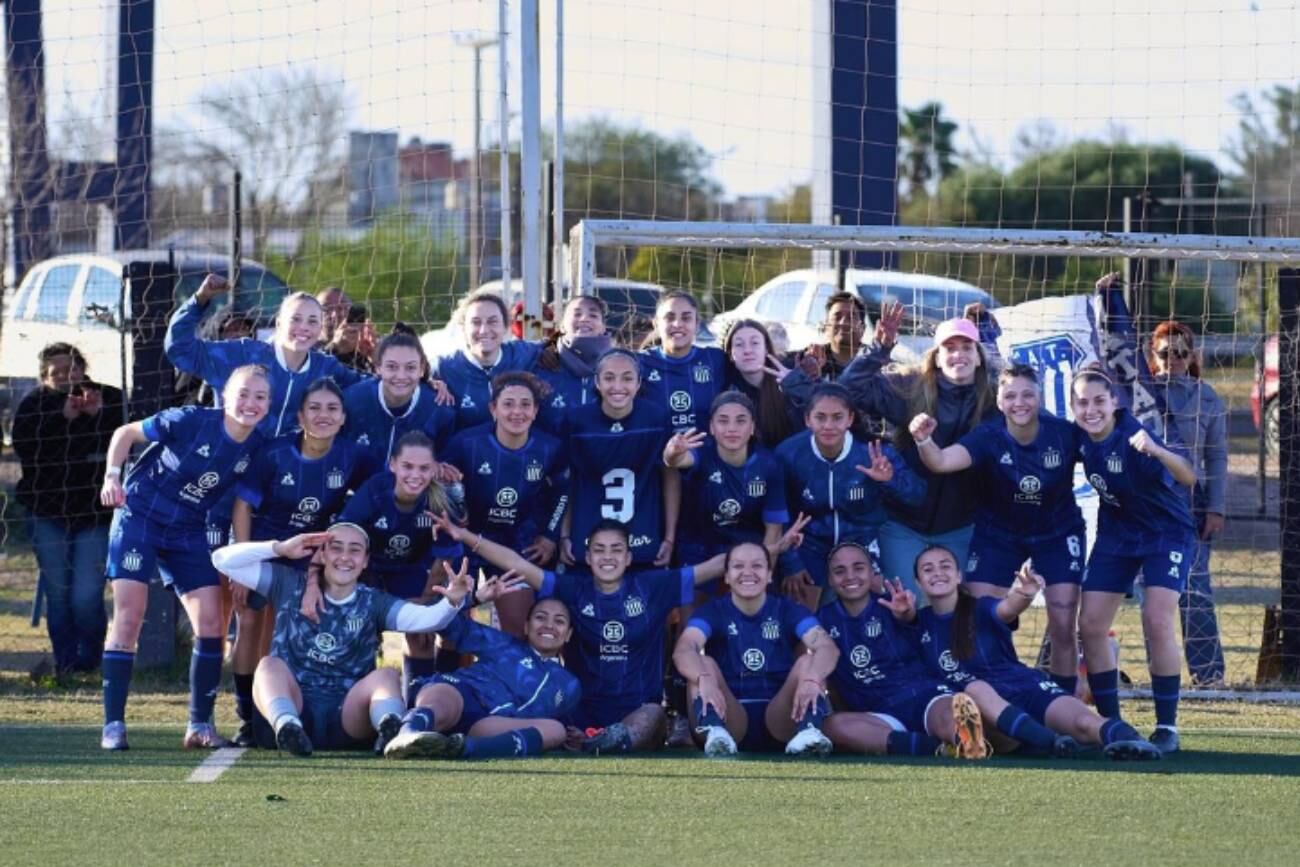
956,328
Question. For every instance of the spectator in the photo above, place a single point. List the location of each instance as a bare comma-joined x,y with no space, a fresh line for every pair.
61,433
354,340
843,328
335,303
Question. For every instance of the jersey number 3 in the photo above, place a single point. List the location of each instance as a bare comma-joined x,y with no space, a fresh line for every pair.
620,495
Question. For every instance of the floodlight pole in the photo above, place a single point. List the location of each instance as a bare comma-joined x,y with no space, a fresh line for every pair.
532,212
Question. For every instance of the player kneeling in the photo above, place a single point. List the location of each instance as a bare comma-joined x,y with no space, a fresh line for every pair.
508,703
887,702
749,682
319,686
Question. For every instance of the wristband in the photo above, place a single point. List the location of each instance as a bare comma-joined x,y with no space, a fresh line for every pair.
477,542
113,472
927,441
1023,594
817,683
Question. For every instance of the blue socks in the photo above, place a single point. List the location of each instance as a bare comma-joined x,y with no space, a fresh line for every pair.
1069,683
205,678
1105,691
814,718
911,744
1117,730
418,719
116,669
1165,689
244,696
518,743
1015,723
415,669
711,718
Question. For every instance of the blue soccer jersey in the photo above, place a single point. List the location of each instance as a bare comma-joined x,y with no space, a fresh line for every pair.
214,360
1143,509
189,464
509,677
568,392
331,655
723,505
471,383
619,637
755,652
293,494
511,495
879,665
994,652
1027,491
376,426
683,387
402,545
616,472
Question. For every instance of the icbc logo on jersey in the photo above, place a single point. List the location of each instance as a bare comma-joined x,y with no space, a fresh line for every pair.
611,646
195,491
753,659
398,545
504,511
680,402
306,512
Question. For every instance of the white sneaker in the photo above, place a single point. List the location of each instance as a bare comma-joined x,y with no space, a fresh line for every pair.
114,737
719,742
808,740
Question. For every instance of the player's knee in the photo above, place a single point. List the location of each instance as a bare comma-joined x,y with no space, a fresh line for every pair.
552,733
1093,625
1157,626
268,666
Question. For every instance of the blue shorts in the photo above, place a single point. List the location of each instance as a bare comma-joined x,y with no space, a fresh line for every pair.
472,707
995,560
757,738
322,720
1115,573
911,708
1028,689
404,584
602,713
139,547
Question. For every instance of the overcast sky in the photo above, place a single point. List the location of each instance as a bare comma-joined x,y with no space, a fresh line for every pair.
735,74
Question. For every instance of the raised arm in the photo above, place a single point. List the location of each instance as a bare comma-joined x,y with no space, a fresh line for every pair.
498,555
1179,467
679,454
952,459
187,350
1027,585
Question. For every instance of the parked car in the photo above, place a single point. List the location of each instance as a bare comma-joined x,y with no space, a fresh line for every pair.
1264,406
631,314
85,299
797,300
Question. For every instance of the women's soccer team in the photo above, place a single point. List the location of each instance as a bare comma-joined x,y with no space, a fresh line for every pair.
671,532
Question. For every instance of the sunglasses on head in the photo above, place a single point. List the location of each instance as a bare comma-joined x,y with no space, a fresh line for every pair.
1180,354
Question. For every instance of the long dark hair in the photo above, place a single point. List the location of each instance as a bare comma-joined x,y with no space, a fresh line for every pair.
963,619
922,393
773,423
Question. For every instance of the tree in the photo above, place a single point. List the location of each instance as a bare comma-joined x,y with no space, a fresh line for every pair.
1266,152
925,149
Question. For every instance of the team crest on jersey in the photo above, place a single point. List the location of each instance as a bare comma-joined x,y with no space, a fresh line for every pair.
731,629
757,488
729,509
242,465
334,479
716,477
1030,485
1099,484
860,656
857,493
612,631
325,642
679,401
1006,459
399,544
1114,464
702,374
507,497
654,376
588,610
485,469
1051,459
633,606
423,521
363,440
204,450
309,505
753,659
873,628
133,561
616,427
533,472
287,479
216,538
382,523
355,623
467,402
771,630
948,662
207,481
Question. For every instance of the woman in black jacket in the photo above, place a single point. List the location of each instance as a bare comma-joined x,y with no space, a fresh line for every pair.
61,432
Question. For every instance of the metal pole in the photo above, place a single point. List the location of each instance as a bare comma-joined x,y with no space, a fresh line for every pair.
1288,287
475,171
1261,445
503,146
236,234
558,293
532,219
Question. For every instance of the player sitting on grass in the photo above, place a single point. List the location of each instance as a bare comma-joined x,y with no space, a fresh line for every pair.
966,638
508,703
319,687
886,700
749,681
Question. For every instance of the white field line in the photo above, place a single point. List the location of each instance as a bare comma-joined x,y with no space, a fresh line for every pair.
216,764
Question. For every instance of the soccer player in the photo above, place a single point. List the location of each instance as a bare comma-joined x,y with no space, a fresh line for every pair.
194,456
567,363
751,684
887,702
291,361
297,484
733,489
508,703
380,411
615,450
1144,524
842,483
749,351
516,483
319,688
396,510
468,372
1025,466
967,640
680,377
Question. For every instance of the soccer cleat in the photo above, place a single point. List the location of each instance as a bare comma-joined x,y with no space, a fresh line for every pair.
244,737
203,736
970,729
718,742
808,740
114,737
1065,747
615,739
679,733
425,745
1131,751
292,739
1165,740
389,726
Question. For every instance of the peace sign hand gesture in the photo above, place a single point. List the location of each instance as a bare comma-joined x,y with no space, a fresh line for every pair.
443,524
901,602
459,583
1028,582
881,469
776,369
